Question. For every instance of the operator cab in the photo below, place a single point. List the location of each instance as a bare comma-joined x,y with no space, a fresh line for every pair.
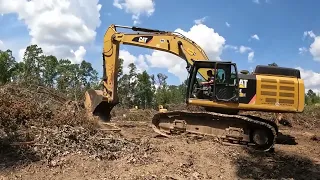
224,87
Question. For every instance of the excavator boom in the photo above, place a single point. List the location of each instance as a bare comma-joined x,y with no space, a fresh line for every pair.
101,102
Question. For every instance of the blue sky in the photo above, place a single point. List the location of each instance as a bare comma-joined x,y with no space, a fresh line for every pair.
279,26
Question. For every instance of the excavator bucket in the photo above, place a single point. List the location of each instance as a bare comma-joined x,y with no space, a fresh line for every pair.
98,105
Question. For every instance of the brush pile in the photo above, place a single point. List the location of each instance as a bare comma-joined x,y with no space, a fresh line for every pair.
38,123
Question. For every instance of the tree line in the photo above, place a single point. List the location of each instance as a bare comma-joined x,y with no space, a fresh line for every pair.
147,91
312,98
134,89
46,70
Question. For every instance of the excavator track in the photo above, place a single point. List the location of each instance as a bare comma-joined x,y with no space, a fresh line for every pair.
236,129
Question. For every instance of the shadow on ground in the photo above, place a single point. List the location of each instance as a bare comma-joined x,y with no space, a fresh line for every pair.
276,165
285,139
14,155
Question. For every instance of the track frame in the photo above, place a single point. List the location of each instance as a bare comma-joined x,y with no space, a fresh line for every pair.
236,129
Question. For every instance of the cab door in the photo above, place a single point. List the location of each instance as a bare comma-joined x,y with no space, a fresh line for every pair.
226,84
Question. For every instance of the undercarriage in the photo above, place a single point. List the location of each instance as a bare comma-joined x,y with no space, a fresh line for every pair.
237,129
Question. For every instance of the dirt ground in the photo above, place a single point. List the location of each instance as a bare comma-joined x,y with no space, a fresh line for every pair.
184,157
43,135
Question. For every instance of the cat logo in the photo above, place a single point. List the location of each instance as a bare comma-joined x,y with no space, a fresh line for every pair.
243,83
142,39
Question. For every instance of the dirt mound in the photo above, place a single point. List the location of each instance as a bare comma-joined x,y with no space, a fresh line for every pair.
309,119
38,123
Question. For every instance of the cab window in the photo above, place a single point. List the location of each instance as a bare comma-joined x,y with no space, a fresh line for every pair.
221,76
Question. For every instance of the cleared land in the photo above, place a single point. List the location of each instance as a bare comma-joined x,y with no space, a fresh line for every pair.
45,136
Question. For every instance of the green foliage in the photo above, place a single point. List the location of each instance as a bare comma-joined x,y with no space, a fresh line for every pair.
311,98
37,68
8,66
74,79
49,70
145,90
134,88
33,59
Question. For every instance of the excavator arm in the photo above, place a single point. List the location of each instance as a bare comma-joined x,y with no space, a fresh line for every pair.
101,102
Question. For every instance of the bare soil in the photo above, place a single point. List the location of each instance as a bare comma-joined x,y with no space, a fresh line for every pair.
184,157
55,140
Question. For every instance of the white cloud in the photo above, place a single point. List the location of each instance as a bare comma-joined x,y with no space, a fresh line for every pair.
117,4
315,48
58,26
21,54
1,45
256,1
174,64
207,38
309,33
255,36
311,79
128,58
250,56
230,47
136,8
302,50
79,54
136,20
227,24
244,49
204,36
201,20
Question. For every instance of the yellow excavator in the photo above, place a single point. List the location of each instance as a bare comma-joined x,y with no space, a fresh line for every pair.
268,88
